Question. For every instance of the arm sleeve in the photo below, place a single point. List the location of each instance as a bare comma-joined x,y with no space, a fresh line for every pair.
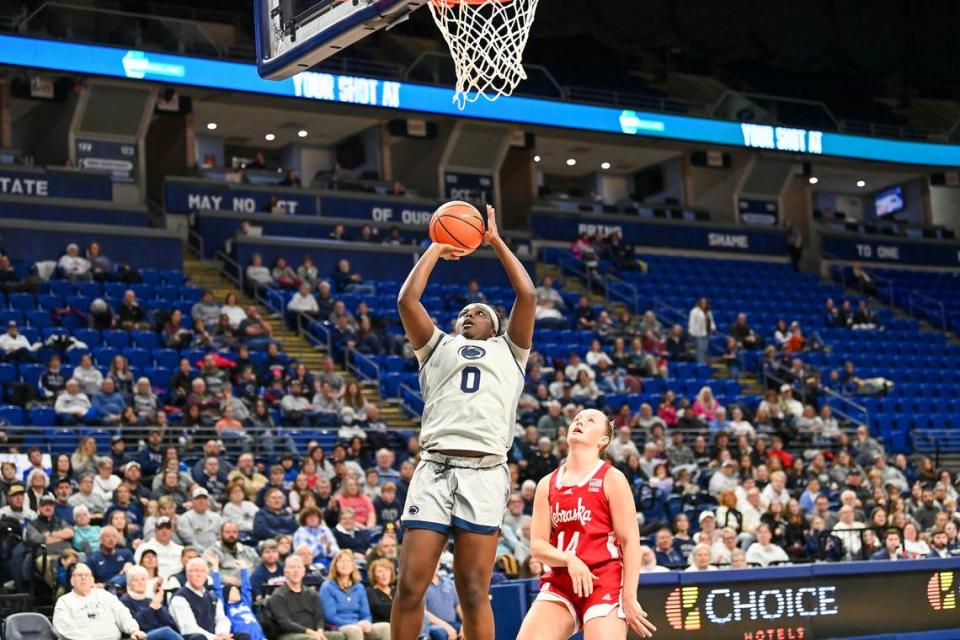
222,621
365,607
186,622
424,352
217,585
61,620
277,605
330,605
261,530
185,529
245,594
519,353
121,614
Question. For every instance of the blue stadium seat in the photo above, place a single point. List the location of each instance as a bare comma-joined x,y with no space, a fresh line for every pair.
8,373
151,276
90,289
114,290
116,338
62,440
30,373
39,319
22,301
168,358
145,339
159,376
48,302
90,337
103,356
43,417
62,288
137,357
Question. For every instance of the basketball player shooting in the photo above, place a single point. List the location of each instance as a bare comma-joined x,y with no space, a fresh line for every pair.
584,528
471,381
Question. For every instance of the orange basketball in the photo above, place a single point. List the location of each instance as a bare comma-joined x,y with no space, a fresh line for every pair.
458,224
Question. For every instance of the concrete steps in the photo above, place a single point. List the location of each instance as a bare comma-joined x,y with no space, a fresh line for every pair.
206,274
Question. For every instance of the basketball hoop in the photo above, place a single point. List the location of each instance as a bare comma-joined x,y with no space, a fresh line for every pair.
486,40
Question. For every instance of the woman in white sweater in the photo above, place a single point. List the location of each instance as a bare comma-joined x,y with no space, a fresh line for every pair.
238,509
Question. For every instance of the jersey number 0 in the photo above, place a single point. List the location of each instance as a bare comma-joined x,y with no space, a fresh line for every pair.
470,380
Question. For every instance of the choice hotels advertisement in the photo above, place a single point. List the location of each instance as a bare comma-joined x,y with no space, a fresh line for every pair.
818,607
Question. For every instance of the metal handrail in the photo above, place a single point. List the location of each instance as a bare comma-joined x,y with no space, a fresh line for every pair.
400,389
352,355
832,394
632,296
927,300
195,243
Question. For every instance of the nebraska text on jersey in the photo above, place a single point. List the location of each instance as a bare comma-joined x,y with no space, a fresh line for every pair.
581,514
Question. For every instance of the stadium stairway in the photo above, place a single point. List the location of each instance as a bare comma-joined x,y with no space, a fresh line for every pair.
206,274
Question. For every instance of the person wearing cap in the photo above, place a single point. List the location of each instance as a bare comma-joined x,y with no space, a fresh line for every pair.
132,474
62,490
15,346
295,407
791,407
86,613
726,478
199,526
168,552
708,524
47,529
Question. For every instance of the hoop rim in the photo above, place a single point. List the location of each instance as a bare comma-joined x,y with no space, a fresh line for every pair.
454,3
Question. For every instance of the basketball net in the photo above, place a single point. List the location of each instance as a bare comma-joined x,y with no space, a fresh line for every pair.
486,40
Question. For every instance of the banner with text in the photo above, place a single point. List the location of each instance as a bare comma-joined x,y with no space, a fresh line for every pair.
187,197
382,210
55,184
567,226
119,158
935,253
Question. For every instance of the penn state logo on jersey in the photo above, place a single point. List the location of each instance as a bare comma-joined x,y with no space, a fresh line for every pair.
472,352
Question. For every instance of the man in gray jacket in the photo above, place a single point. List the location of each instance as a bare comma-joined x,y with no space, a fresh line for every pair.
199,526
230,552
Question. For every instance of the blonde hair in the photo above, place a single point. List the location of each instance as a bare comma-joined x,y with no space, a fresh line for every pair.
609,434
354,575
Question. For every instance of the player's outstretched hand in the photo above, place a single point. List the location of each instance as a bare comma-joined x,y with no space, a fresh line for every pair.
448,251
580,576
637,619
493,232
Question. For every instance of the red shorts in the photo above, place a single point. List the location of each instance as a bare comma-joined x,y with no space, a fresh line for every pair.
607,590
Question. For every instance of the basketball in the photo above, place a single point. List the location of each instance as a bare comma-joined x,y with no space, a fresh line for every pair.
458,224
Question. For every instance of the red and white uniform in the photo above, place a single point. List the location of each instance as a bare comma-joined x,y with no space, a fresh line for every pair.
582,523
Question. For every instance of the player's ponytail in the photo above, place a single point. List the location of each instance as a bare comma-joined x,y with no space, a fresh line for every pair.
609,434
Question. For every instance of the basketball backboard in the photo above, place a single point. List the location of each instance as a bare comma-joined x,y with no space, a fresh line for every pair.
294,35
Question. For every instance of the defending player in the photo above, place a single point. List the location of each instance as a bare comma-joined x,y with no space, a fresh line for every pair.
471,381
584,528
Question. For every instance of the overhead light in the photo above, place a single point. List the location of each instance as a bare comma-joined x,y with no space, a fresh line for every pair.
211,125
861,183
814,179
302,133
571,162
269,137
605,165
536,158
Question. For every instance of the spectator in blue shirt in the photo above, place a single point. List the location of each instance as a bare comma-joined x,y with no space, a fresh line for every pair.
443,608
272,520
237,601
666,552
109,401
151,457
110,562
345,603
269,569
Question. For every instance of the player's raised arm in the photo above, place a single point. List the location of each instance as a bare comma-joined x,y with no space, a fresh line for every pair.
624,514
416,320
520,327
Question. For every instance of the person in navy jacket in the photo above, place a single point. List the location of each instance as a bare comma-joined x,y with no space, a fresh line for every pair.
891,547
150,613
109,562
273,520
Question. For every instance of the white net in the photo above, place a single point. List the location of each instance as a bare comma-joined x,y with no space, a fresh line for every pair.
486,41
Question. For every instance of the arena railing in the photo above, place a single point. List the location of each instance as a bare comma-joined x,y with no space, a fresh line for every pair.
923,306
845,413
615,288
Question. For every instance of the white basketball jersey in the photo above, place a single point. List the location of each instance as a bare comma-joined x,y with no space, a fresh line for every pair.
470,392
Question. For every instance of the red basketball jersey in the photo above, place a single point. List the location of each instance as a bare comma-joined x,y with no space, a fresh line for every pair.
580,515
